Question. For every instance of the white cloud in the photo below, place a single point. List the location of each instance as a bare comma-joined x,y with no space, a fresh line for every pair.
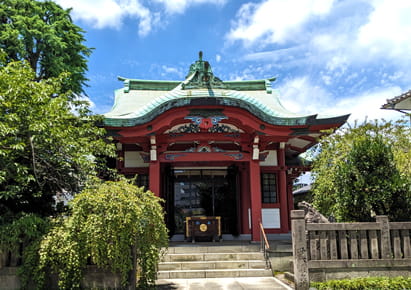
338,62
250,72
276,20
100,14
336,34
388,29
327,79
111,13
168,70
278,55
299,95
179,6
349,56
218,58
328,41
368,105
380,33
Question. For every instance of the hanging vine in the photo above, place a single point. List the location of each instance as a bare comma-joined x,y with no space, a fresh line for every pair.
109,221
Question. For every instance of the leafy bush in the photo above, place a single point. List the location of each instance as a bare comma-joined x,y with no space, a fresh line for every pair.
115,224
364,171
383,283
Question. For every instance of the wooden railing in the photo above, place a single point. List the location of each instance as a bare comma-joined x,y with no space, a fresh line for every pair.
264,246
317,248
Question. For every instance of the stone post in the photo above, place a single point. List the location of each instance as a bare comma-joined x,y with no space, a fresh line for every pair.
383,221
301,277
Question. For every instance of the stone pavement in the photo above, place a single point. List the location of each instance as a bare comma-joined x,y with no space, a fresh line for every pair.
249,283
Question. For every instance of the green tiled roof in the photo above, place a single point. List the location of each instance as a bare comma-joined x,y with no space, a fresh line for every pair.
126,112
140,101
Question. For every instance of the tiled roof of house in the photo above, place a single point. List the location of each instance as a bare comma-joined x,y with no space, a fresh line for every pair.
401,102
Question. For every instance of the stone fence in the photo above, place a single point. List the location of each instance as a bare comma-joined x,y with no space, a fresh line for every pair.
346,250
94,277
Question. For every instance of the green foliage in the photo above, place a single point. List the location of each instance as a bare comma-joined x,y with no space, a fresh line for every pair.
363,171
48,144
24,233
371,283
43,34
60,252
108,220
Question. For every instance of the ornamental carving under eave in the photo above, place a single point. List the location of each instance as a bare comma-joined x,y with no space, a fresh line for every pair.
195,128
185,128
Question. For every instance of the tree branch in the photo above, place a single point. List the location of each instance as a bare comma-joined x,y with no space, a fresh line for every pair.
34,161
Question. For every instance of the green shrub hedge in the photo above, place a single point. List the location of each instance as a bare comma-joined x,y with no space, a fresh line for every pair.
372,283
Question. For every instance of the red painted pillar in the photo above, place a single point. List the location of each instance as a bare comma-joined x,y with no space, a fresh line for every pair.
255,194
154,177
284,216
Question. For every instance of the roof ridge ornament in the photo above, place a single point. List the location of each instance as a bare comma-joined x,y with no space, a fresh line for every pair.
268,87
201,76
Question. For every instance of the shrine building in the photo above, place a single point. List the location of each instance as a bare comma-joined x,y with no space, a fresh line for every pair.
214,148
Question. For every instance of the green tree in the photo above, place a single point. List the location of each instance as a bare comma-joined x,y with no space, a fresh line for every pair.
48,144
365,170
43,34
115,224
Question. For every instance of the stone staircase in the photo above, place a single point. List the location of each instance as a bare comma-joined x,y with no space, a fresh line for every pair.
213,260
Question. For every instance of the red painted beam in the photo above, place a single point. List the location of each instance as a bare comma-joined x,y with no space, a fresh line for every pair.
190,137
204,156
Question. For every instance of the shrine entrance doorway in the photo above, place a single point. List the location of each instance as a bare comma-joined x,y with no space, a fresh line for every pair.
211,191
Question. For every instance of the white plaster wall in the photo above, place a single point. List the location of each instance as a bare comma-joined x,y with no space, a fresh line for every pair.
271,159
133,159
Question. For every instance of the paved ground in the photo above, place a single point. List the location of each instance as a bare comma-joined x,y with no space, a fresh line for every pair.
222,284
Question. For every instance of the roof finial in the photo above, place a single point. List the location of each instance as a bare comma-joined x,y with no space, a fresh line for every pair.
200,55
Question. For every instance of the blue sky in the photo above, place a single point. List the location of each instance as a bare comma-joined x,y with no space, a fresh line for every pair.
329,57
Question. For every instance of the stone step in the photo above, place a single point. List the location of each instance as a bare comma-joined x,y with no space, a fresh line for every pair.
213,260
216,273
289,276
213,248
213,257
211,265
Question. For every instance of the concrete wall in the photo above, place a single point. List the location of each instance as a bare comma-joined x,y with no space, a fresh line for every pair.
9,279
93,278
318,275
281,254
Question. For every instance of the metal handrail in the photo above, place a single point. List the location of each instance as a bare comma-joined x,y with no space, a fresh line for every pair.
264,246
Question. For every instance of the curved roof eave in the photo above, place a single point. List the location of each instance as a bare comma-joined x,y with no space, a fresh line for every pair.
216,101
